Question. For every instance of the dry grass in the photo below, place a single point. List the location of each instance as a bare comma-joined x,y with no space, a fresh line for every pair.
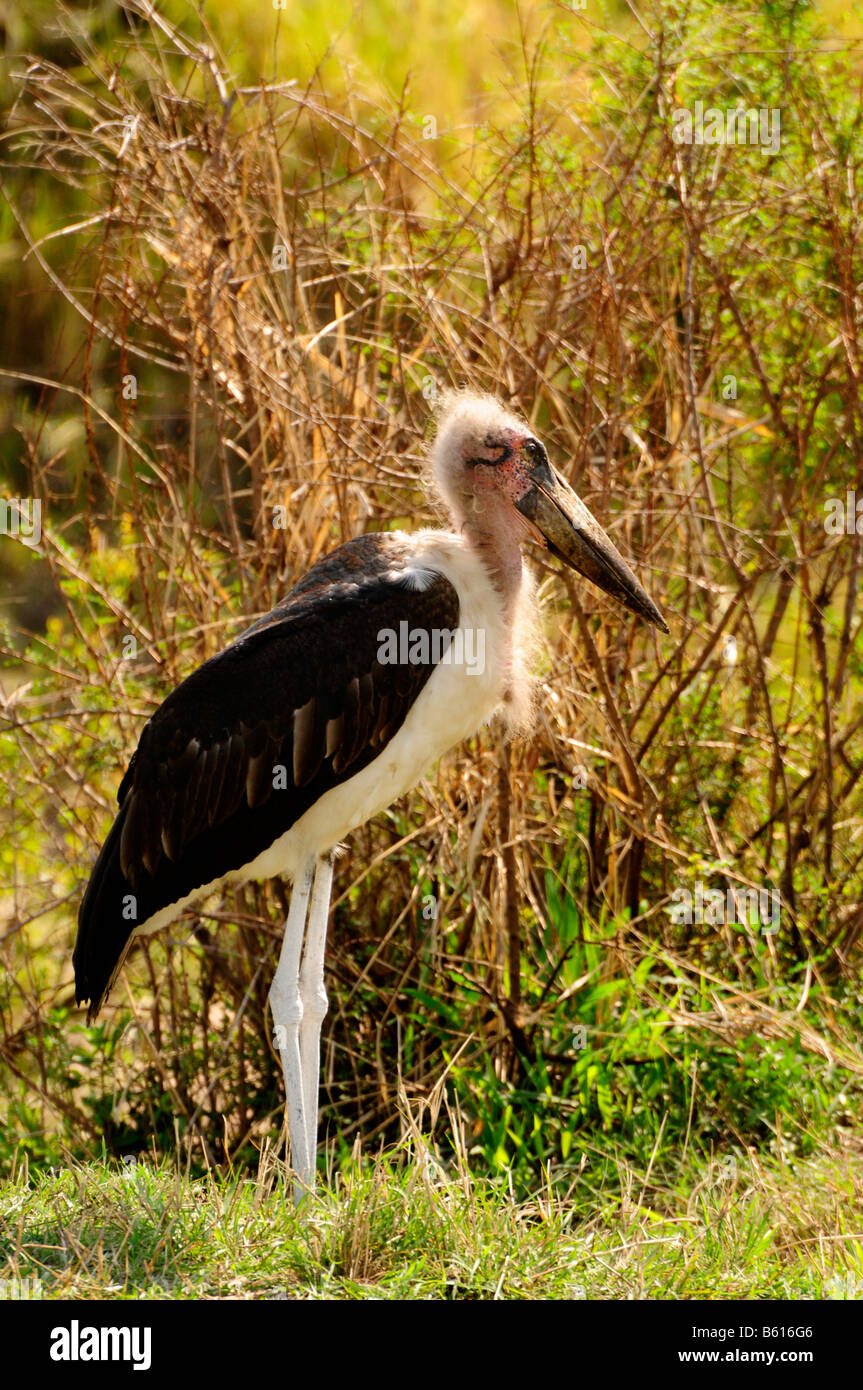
287,280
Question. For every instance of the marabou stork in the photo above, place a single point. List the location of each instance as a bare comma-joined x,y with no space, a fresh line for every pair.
392,649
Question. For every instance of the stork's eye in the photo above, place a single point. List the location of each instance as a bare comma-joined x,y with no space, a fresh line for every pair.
534,450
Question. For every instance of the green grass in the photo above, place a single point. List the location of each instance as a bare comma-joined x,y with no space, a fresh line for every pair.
400,1228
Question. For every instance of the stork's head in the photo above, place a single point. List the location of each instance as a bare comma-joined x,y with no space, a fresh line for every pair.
494,474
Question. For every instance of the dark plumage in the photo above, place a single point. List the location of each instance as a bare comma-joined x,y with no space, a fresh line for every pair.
302,690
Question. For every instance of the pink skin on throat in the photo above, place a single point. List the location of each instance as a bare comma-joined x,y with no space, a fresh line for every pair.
493,525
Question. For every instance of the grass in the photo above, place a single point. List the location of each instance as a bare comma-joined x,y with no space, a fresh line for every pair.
401,1228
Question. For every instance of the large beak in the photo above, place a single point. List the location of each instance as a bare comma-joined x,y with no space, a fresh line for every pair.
575,537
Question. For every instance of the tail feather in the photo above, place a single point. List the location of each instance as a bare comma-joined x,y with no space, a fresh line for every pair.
107,920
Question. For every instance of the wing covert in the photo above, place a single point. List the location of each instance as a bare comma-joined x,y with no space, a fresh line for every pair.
300,698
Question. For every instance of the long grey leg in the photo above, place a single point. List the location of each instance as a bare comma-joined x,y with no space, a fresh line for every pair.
287,1006
313,996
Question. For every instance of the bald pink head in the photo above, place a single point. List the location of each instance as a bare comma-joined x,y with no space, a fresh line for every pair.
500,488
477,460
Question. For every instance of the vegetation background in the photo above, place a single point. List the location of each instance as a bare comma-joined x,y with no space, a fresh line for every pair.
240,253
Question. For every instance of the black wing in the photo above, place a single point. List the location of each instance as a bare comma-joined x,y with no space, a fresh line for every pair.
301,690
